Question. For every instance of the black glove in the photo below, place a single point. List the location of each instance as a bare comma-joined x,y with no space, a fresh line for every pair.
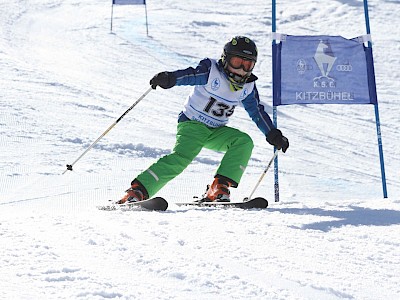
275,138
164,79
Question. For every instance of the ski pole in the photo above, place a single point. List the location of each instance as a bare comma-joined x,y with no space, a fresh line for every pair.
69,167
263,174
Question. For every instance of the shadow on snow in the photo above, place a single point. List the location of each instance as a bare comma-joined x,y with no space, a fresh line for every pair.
357,216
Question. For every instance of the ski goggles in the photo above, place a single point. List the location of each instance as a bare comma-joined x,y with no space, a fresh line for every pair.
238,62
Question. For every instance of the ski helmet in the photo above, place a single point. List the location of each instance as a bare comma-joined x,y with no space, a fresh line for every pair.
243,47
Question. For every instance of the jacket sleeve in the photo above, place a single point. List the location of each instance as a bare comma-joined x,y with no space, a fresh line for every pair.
257,113
191,76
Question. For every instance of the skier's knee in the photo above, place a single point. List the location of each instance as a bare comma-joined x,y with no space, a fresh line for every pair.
184,157
245,139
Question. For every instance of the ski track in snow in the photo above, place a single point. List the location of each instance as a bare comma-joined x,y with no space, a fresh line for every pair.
65,78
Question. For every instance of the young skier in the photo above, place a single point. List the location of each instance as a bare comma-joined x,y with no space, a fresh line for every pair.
219,86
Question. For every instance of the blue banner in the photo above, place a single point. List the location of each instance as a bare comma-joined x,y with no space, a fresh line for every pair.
129,2
323,70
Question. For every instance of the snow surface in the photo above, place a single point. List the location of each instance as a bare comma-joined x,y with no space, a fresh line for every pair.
65,78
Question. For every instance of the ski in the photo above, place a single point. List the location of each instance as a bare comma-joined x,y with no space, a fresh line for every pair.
156,203
258,202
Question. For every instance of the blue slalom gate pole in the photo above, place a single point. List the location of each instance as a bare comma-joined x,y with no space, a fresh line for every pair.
274,109
377,120
147,23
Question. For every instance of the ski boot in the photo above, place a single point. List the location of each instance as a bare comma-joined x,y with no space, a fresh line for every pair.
135,193
218,191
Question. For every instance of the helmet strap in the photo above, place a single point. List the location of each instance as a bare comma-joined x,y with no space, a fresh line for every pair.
235,87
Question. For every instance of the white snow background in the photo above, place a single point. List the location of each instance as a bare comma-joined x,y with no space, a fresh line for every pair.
65,79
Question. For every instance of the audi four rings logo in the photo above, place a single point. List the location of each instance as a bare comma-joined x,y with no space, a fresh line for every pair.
344,68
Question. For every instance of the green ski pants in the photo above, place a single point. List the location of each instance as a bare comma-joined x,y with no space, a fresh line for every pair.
191,137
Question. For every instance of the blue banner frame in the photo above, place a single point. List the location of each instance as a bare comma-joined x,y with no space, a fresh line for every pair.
277,97
129,2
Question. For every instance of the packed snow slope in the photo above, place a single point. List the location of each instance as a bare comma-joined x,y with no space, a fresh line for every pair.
65,78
